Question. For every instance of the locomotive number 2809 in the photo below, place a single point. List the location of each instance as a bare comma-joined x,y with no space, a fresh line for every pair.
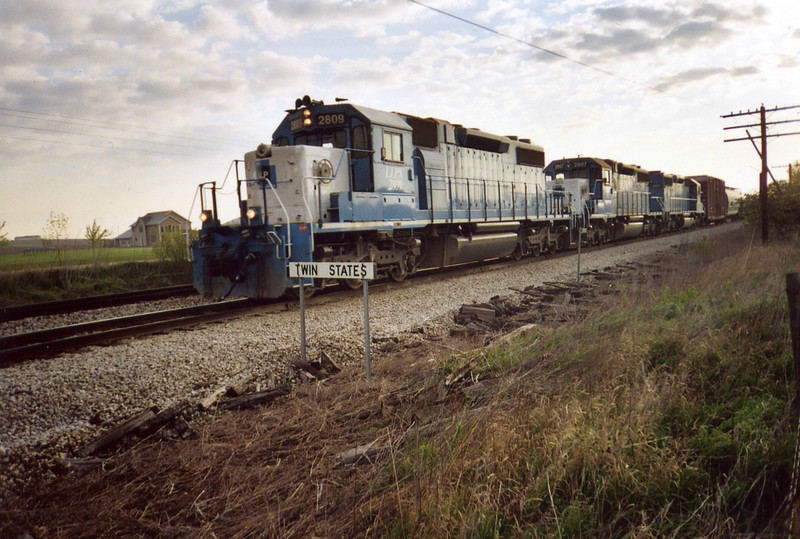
331,119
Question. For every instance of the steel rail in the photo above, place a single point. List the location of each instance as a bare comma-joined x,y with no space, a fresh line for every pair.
19,312
50,342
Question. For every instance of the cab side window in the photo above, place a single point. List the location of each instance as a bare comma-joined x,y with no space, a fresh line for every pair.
392,147
360,141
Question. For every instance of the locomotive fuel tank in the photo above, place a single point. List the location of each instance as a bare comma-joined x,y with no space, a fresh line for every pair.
454,249
628,230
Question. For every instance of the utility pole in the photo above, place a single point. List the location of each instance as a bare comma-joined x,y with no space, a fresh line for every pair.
762,179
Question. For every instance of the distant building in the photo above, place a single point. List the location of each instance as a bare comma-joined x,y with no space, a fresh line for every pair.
33,241
148,229
123,240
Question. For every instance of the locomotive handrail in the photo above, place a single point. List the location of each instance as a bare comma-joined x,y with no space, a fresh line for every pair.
453,182
450,183
288,247
322,179
261,182
660,201
339,164
687,209
271,234
274,237
204,186
553,196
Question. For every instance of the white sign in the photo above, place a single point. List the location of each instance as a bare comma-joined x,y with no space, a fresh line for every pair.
332,270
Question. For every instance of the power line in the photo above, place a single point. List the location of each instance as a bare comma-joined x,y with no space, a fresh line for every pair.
89,125
106,125
546,50
116,137
101,146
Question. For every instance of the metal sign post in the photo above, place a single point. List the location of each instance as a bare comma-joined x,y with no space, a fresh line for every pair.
302,321
363,271
367,360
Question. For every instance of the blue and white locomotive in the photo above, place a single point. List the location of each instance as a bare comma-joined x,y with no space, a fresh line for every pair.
620,201
345,183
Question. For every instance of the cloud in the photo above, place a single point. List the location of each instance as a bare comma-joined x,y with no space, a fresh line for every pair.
694,34
744,71
702,73
290,18
649,15
219,23
380,72
624,42
721,13
630,30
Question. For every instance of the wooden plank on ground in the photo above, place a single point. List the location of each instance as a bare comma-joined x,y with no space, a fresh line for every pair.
254,399
528,292
116,433
351,456
485,314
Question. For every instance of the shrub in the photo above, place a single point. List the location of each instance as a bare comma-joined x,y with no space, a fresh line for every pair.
172,247
783,206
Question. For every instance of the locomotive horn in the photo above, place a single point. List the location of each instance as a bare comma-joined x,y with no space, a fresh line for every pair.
306,101
298,103
263,150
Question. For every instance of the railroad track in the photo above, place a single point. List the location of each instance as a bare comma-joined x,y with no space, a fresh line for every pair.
47,343
19,312
50,342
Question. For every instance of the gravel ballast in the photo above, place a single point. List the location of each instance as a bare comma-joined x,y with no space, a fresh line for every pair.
59,402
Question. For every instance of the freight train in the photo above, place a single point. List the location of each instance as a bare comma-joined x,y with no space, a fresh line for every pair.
345,183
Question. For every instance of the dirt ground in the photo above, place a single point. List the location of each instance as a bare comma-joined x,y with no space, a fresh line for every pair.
312,462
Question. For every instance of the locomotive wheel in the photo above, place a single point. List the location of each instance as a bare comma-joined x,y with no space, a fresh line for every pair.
294,293
397,274
517,254
351,284
536,250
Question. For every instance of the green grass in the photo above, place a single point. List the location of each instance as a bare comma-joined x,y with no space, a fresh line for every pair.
20,287
74,257
668,413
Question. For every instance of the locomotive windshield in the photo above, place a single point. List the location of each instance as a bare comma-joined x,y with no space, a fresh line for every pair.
331,138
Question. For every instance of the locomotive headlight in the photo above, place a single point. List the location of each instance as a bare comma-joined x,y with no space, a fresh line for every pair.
205,216
253,215
306,118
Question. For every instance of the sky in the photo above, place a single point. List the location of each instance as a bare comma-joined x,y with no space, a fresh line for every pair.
111,110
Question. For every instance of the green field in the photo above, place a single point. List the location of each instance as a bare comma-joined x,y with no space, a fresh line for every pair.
73,257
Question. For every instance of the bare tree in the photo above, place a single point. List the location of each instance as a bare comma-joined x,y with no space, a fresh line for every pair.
95,234
3,235
55,231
